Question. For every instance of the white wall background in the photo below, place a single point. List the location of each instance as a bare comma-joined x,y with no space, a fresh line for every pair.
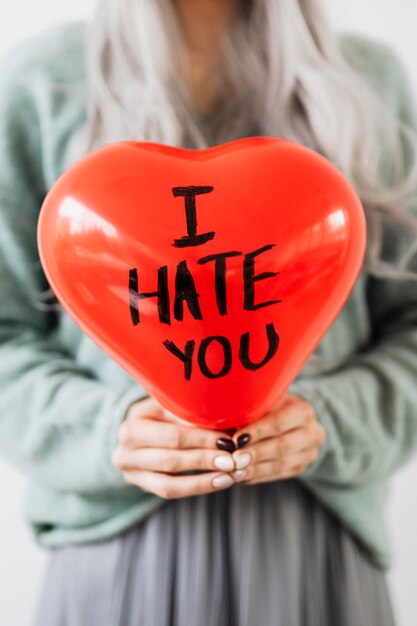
21,563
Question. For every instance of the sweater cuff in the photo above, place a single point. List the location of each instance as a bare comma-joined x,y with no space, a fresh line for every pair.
307,390
127,398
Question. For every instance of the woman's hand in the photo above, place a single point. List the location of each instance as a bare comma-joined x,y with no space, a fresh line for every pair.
280,445
156,447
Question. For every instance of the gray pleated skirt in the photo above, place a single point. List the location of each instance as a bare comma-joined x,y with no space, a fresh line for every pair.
266,555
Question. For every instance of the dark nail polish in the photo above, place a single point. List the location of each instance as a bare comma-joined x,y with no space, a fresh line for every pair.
226,444
243,440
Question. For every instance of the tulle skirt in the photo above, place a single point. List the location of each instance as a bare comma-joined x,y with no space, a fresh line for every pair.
265,555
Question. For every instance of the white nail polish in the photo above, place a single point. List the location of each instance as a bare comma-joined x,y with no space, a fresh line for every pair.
223,481
242,461
240,475
224,463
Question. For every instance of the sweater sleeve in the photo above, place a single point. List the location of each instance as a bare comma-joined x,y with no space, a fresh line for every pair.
368,407
58,422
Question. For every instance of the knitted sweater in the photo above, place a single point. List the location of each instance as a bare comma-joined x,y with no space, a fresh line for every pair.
62,399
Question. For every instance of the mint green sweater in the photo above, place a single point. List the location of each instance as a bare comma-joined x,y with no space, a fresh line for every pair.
62,399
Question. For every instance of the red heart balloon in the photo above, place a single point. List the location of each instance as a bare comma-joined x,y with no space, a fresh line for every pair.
209,275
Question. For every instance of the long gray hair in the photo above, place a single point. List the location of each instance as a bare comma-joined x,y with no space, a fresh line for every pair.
286,75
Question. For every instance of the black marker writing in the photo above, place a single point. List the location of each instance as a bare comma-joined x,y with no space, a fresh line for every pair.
186,294
192,238
186,356
185,291
161,293
220,276
250,278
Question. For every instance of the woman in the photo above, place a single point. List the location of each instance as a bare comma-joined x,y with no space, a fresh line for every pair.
151,521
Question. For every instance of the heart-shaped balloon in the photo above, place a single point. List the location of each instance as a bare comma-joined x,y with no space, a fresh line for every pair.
209,275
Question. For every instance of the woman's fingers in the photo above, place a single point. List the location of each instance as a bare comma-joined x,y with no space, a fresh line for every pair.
171,487
157,451
289,443
172,461
290,414
277,469
136,433
146,407
148,424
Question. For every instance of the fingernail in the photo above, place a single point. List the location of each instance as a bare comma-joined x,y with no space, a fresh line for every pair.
240,475
243,440
223,481
242,461
228,445
224,463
